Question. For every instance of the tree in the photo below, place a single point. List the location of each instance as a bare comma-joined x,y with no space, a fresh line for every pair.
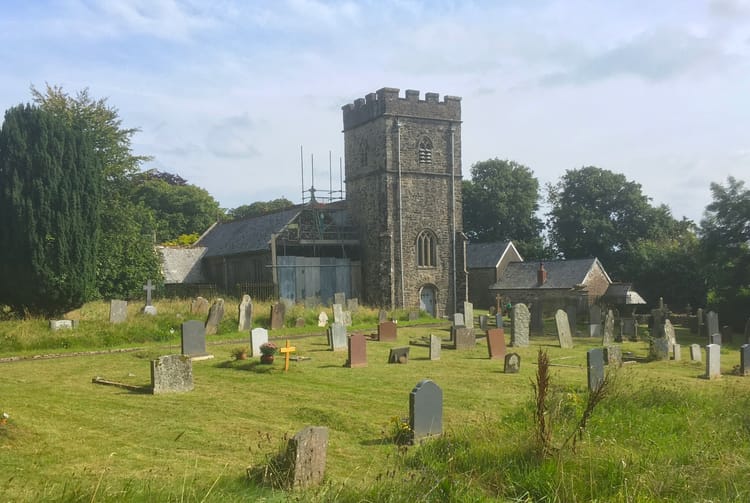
598,213
500,204
725,231
50,185
259,208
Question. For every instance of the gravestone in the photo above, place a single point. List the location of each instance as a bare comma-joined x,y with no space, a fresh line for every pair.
215,315
613,355
338,337
413,315
118,311
426,410
595,366
701,320
338,313
496,343
537,317
726,333
323,319
339,298
713,361
712,323
519,326
348,318
56,325
193,338
469,314
499,322
149,308
714,339
572,311
258,337
595,321
628,328
512,363
245,314
299,322
352,305
357,347
669,333
563,329
278,313
464,338
695,353
677,352
436,344
483,320
608,336
199,305
382,316
458,320
306,457
659,349
172,374
747,331
387,331
745,359
399,355
657,327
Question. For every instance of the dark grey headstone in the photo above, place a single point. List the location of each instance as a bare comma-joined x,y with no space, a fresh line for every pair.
387,331
278,313
483,321
595,364
745,359
499,322
258,337
436,344
496,343
695,353
306,453
595,315
193,338
563,329
172,374
512,363
712,323
245,314
713,361
715,339
426,410
399,355
338,336
357,346
118,311
659,348
519,326
215,315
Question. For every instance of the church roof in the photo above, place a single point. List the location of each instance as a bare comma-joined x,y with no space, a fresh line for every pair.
485,255
561,274
622,293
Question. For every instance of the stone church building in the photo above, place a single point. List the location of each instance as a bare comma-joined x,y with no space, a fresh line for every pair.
396,241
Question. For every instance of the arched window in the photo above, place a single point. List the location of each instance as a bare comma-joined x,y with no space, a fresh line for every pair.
426,249
425,151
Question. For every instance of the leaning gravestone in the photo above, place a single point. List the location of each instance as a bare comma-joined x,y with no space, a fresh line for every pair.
469,314
338,336
357,347
595,365
199,305
595,321
464,338
278,313
608,337
306,457
713,361
215,315
563,329
399,355
712,323
695,353
118,311
745,359
194,339
512,363
258,337
171,374
519,326
387,331
496,343
426,410
245,314
436,344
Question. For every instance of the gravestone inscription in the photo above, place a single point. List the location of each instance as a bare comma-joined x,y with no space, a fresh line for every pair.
171,374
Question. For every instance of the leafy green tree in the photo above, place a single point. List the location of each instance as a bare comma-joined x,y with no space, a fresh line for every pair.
259,208
50,186
725,231
500,204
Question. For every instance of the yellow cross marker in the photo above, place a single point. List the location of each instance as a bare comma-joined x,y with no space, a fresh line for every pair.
287,350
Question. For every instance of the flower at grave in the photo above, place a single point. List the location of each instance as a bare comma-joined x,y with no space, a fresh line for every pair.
268,348
4,418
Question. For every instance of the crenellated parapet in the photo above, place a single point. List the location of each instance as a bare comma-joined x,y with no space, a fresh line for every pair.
386,101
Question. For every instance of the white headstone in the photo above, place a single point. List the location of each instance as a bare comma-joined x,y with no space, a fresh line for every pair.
258,336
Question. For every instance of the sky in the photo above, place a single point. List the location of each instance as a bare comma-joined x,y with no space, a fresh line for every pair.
225,93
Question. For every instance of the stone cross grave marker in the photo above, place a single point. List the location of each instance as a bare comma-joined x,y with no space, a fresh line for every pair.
677,352
498,304
512,363
199,305
496,343
118,311
436,344
464,338
713,361
458,320
695,353
278,313
306,454
357,346
287,351
245,314
172,374
387,331
519,326
613,355
563,329
194,338
426,410
322,319
595,365
258,337
469,314
337,336
149,308
745,359
609,329
215,315
399,355
595,321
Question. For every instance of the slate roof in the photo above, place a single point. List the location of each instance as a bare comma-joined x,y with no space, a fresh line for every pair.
245,235
622,293
561,274
485,255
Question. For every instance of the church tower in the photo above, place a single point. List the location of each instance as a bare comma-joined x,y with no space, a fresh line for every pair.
403,186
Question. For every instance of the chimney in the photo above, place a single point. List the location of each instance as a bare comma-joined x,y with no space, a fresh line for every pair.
541,275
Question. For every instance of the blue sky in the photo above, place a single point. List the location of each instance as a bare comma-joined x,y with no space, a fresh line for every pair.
225,92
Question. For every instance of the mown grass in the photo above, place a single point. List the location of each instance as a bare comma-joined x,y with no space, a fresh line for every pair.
666,434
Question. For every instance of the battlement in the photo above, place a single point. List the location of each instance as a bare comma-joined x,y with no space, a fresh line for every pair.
386,101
